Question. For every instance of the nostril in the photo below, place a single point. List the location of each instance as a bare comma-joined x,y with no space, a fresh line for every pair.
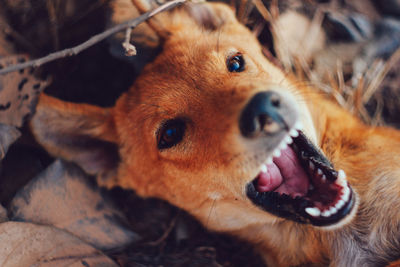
268,125
262,120
275,100
262,115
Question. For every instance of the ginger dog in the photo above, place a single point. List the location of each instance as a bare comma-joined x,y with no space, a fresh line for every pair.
216,129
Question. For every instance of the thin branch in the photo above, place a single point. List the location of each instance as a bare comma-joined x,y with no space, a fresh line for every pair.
166,233
130,49
94,39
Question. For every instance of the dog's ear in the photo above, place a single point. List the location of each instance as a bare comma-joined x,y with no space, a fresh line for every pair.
211,16
80,133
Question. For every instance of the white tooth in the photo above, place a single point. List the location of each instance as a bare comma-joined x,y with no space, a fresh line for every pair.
346,194
263,168
332,210
288,140
294,133
340,204
283,145
323,178
277,153
319,172
326,213
298,125
315,212
268,161
312,166
310,187
341,179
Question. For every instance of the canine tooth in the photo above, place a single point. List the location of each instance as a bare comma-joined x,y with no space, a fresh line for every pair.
277,153
311,165
294,133
315,212
333,210
319,172
263,168
326,213
341,178
323,178
288,140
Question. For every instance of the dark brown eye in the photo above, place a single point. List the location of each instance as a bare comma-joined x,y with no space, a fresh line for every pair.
171,133
235,63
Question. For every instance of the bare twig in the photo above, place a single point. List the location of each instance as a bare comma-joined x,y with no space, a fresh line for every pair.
263,10
166,233
380,73
94,39
130,49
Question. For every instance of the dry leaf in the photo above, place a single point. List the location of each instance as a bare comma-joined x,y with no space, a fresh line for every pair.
8,135
3,214
18,92
5,46
62,196
25,244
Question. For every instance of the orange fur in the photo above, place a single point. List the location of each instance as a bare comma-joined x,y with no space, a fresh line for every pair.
207,172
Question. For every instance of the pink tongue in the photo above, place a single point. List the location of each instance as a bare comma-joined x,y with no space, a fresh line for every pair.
270,180
284,175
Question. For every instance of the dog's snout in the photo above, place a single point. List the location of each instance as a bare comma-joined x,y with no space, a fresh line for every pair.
262,115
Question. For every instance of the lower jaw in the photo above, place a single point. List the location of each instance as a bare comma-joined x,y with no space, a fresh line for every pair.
294,208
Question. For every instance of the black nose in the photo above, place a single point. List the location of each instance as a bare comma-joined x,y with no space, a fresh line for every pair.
262,115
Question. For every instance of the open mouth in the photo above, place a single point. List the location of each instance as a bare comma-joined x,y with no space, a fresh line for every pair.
300,184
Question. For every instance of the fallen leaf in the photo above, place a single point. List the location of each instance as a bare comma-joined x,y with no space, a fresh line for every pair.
8,135
26,244
63,197
19,92
3,214
5,46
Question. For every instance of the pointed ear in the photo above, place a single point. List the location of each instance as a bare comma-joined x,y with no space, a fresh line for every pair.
80,133
211,16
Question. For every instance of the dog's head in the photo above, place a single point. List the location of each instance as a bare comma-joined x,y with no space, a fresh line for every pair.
212,127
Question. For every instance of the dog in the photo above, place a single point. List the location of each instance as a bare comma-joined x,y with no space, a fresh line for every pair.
216,129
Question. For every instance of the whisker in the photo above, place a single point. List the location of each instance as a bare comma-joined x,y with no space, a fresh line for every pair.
209,214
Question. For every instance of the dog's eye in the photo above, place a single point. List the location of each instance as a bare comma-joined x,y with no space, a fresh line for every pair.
171,133
235,63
